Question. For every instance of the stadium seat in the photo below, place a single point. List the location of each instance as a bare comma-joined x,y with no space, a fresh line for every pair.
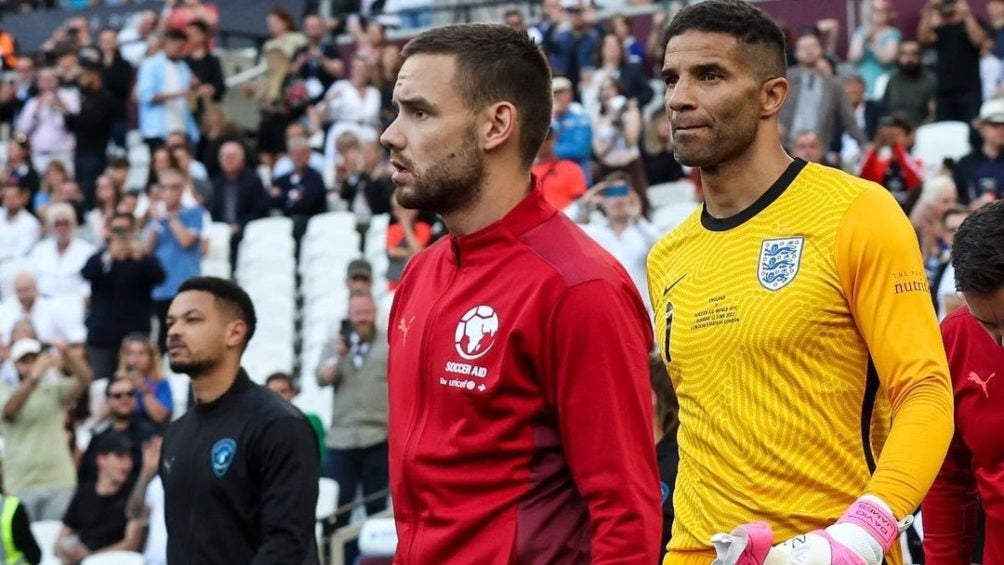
327,498
218,234
46,532
938,140
331,223
665,194
216,268
114,558
668,217
378,538
265,229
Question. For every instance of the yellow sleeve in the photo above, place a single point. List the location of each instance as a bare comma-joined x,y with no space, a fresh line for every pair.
882,275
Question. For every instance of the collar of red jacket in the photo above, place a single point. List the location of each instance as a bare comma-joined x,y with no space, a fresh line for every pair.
529,213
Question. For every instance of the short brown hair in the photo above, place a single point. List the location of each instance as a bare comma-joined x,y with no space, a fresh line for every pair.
496,62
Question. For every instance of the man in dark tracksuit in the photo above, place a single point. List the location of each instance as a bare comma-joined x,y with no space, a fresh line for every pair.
240,470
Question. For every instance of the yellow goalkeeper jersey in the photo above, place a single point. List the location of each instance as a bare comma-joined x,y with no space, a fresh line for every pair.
794,333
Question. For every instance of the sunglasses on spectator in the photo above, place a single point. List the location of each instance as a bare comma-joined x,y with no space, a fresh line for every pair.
359,278
120,395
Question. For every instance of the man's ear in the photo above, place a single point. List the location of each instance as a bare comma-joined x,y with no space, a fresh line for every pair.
237,330
773,95
499,125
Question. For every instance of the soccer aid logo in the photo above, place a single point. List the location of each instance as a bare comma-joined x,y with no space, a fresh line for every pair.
476,332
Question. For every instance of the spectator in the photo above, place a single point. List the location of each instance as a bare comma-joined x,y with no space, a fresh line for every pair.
407,235
359,278
991,70
281,97
198,189
9,104
571,125
19,546
19,230
514,19
889,163
911,88
283,385
544,31
146,504
937,197
946,297
92,125
956,36
355,365
613,63
122,276
625,233
300,194
38,468
283,34
173,236
207,72
808,147
53,177
351,105
364,181
106,201
216,130
284,165
873,46
178,16
69,193
981,172
573,50
18,167
163,87
25,86
117,76
53,321
995,12
122,420
58,259
43,121
816,102
616,136
665,422
384,79
140,364
866,113
96,521
22,329
622,27
320,63
8,50
561,181
68,64
657,151
371,40
238,195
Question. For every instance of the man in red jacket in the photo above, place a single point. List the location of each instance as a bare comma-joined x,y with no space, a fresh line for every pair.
520,414
973,341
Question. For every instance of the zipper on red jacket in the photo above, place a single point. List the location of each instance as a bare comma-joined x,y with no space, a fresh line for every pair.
422,420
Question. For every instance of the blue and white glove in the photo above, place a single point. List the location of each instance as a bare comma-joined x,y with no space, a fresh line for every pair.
862,536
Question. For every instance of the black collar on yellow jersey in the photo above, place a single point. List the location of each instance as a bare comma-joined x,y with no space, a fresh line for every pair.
773,193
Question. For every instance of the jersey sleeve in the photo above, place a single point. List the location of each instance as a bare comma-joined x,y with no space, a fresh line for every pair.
950,509
289,467
596,375
883,279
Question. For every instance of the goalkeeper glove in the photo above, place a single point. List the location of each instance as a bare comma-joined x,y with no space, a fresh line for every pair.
862,536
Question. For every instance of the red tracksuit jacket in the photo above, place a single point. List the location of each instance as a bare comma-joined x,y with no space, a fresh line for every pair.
520,407
975,460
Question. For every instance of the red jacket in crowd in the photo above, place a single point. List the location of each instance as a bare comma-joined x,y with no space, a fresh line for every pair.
520,407
875,167
975,462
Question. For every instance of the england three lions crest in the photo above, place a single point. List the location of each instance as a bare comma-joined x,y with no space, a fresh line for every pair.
779,262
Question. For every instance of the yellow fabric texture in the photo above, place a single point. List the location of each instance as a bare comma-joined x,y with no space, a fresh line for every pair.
773,362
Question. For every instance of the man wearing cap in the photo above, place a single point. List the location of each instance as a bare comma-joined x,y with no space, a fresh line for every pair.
573,131
38,467
981,173
354,364
92,126
96,519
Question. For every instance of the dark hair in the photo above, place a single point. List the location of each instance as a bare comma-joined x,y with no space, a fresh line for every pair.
743,21
284,15
117,215
175,34
599,49
229,296
494,63
280,376
112,381
200,25
978,250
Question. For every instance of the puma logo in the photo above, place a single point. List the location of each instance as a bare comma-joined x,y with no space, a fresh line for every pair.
404,326
983,383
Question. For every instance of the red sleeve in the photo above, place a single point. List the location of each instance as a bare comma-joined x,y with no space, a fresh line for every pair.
911,169
872,168
950,508
596,375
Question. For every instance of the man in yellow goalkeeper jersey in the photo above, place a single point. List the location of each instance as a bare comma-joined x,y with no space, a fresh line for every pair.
794,317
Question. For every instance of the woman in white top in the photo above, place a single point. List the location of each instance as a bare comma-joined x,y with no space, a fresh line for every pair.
616,134
350,105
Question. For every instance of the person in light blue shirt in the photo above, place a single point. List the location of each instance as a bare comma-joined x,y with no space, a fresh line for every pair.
572,128
173,236
163,84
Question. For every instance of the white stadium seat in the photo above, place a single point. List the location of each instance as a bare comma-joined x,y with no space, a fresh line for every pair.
378,538
114,558
938,140
46,532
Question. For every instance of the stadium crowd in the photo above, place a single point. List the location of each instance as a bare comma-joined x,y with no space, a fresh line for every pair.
94,248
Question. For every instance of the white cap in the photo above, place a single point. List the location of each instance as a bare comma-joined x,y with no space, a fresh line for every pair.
25,346
993,111
560,83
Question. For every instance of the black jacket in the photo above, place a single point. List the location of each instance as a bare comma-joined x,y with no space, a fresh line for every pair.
240,481
120,297
312,193
376,191
252,199
139,431
93,125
